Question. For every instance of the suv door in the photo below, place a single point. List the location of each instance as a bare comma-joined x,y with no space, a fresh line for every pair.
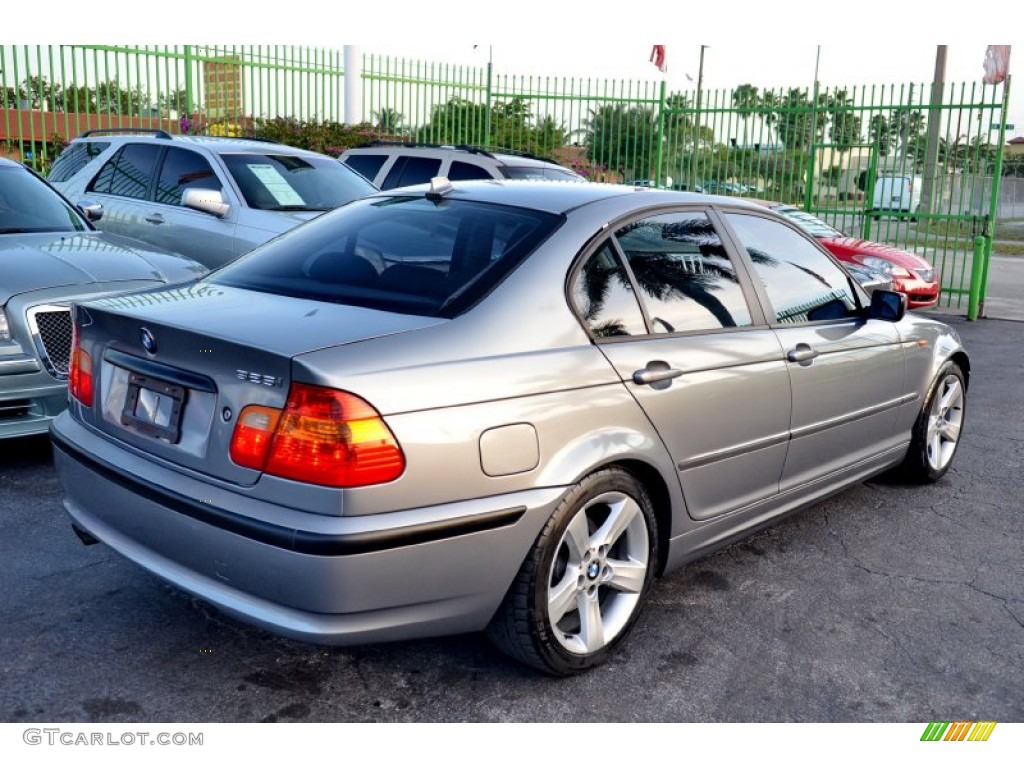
204,236
122,187
695,353
846,371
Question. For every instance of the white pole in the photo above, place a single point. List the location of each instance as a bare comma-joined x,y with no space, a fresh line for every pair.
353,85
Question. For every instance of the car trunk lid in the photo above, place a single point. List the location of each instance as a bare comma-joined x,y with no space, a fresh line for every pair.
173,369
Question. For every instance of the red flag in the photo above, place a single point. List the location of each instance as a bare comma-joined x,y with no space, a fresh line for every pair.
658,57
997,64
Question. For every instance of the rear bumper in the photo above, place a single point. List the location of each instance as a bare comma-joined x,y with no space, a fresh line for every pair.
332,580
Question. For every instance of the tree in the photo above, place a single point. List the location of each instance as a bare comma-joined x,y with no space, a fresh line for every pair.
175,101
38,92
512,126
746,99
623,138
845,124
112,99
797,123
389,120
76,98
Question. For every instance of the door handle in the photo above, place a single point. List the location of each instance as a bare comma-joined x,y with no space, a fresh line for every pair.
155,218
653,374
803,354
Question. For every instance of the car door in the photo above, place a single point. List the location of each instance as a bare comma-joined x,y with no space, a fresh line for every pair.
200,235
122,187
672,314
846,371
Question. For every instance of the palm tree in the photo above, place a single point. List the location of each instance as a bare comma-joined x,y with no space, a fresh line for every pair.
747,100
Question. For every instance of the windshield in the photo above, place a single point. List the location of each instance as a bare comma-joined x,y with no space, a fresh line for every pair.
28,204
809,224
282,182
549,172
400,254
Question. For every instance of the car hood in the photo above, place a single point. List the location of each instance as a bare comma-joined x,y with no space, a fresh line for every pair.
850,246
31,262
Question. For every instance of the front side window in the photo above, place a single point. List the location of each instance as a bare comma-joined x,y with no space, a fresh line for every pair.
367,165
466,172
183,170
604,299
685,278
128,173
399,254
411,170
802,283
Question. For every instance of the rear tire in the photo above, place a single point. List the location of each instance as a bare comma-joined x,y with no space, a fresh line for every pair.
583,584
938,428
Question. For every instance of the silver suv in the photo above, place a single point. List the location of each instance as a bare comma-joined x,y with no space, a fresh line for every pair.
390,164
211,199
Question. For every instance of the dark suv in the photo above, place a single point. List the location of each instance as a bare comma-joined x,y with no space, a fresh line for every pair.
211,199
390,164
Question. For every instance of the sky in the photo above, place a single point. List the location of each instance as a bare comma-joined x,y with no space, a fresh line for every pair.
870,42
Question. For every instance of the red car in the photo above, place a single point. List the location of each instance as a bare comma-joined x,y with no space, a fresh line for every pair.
910,273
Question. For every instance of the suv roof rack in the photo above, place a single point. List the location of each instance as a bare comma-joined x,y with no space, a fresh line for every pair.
463,147
157,132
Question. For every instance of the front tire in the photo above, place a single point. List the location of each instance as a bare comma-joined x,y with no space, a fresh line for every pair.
938,428
583,584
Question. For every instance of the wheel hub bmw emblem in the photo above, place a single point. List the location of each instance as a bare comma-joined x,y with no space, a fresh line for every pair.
592,570
148,340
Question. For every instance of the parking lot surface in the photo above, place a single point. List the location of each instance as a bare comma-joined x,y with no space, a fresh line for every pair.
886,603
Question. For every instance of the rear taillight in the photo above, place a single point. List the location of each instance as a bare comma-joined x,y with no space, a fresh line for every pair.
80,374
323,436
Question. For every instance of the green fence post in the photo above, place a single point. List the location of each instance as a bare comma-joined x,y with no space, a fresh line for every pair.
997,173
188,82
660,135
977,270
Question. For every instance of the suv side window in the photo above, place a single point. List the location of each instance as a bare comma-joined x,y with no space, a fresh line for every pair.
686,280
411,170
366,165
466,172
74,158
128,173
802,283
183,170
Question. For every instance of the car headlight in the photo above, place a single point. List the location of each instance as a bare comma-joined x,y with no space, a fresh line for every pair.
5,329
884,265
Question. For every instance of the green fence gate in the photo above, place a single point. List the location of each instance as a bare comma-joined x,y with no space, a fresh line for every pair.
828,150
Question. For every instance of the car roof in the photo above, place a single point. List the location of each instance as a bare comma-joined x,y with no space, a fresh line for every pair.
557,197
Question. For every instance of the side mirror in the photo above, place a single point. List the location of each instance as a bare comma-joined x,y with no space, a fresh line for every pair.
92,210
887,305
207,201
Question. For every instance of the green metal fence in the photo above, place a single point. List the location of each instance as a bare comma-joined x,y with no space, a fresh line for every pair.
833,151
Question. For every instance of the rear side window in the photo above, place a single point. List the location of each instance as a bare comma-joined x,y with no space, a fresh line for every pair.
683,275
367,165
411,170
549,172
74,158
603,296
400,254
183,170
129,172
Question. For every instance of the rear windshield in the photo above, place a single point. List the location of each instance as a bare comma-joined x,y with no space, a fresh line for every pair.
400,254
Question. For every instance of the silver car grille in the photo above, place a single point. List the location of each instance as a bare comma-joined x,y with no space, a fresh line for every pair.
50,326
